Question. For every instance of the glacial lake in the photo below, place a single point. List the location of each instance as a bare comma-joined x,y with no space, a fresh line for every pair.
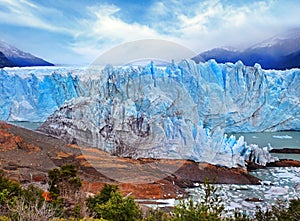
277,140
278,184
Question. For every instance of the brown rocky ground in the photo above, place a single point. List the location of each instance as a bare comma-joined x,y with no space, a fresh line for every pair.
27,156
286,150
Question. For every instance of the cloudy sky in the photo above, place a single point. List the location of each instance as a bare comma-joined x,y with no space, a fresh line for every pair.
76,32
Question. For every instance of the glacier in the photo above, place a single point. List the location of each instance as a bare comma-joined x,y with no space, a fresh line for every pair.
180,111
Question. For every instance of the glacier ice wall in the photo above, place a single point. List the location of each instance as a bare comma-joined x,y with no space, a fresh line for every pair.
234,97
180,111
152,127
33,98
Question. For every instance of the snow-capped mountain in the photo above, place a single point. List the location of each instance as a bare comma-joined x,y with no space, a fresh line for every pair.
4,62
19,58
279,52
288,42
221,55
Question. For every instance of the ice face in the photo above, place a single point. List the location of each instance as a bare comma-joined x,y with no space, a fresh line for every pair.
180,111
233,96
30,97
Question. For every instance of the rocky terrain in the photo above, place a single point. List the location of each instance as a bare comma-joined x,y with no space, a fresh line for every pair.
27,156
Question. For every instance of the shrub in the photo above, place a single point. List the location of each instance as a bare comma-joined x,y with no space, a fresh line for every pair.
111,205
294,209
9,192
209,207
118,208
64,181
105,194
157,215
4,218
280,211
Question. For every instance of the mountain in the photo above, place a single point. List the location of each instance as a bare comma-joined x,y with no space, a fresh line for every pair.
279,52
19,58
4,62
221,55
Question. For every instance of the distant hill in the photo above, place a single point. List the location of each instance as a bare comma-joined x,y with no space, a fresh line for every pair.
13,57
279,52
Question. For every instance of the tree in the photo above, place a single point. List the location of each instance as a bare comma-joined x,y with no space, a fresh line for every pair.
64,181
64,188
9,192
111,205
119,208
101,198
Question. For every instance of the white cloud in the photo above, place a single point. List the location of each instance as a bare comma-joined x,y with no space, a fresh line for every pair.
110,26
212,23
106,30
27,14
200,25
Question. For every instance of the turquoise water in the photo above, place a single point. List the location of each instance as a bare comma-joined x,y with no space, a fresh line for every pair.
27,124
278,140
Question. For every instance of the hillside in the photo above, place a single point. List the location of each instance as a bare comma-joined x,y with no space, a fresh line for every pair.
17,58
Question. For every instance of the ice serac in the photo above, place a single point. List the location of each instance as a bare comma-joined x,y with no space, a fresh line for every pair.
33,98
234,97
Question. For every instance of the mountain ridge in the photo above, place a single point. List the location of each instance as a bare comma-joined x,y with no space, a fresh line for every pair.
278,52
4,62
17,58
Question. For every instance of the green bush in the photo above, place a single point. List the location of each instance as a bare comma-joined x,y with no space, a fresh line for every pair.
64,181
111,205
280,211
209,207
9,192
4,218
157,215
12,187
294,209
105,194
118,208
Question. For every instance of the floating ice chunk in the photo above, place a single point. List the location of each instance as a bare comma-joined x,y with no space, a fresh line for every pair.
276,190
282,137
